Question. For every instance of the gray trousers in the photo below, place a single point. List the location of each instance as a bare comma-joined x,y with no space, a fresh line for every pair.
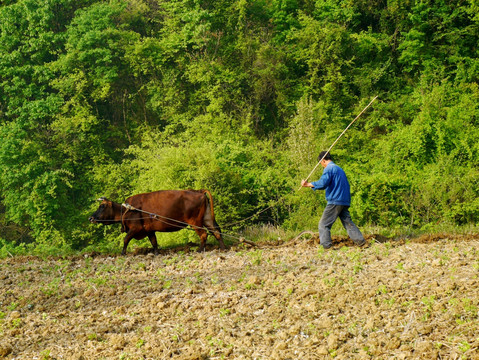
330,214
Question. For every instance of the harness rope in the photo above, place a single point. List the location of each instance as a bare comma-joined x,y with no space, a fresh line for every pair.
178,223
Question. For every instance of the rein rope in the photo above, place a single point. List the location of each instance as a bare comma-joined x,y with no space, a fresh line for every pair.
177,223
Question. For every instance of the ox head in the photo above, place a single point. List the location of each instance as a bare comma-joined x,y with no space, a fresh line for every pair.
105,212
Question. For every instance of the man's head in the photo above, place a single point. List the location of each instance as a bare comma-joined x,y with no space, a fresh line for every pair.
326,158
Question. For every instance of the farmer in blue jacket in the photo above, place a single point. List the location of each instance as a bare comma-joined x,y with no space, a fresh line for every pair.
338,195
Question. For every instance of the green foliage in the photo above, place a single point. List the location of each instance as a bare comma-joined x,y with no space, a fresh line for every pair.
126,96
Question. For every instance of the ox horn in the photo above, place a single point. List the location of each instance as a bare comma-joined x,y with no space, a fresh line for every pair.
101,198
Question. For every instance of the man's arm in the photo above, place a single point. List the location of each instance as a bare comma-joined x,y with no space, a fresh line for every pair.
321,184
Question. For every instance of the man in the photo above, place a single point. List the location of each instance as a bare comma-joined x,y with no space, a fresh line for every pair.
338,195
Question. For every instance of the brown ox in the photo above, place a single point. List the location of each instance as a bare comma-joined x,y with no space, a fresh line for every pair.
165,211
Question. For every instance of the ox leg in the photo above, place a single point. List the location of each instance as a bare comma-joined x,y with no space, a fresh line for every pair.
126,241
203,234
217,234
215,230
154,243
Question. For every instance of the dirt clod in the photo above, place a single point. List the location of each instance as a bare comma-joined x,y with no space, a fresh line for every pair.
5,349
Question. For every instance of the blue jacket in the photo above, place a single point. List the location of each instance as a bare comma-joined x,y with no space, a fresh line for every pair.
336,184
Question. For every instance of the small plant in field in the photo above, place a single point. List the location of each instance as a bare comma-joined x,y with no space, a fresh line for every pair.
167,284
444,260
198,277
178,330
355,255
141,266
242,277
250,286
390,301
16,323
224,312
22,269
428,303
353,329
105,268
376,249
98,281
217,345
357,268
45,355
469,306
387,248
256,257
330,281
321,251
464,346
140,343
366,349
51,288
147,329
453,301
172,261
382,289
12,306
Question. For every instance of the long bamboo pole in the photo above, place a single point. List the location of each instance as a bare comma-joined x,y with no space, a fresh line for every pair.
339,137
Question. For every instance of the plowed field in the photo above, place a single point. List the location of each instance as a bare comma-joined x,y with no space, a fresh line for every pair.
414,299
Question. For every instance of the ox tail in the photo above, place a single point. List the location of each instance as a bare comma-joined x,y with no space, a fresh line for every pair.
211,224
211,202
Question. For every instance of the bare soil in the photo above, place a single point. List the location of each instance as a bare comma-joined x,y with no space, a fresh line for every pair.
393,299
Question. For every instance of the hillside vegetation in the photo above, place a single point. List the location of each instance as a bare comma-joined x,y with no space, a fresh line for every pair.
113,98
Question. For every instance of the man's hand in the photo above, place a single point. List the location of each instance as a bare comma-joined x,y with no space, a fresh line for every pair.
304,183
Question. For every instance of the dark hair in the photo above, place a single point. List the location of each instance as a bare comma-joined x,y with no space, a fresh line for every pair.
327,157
